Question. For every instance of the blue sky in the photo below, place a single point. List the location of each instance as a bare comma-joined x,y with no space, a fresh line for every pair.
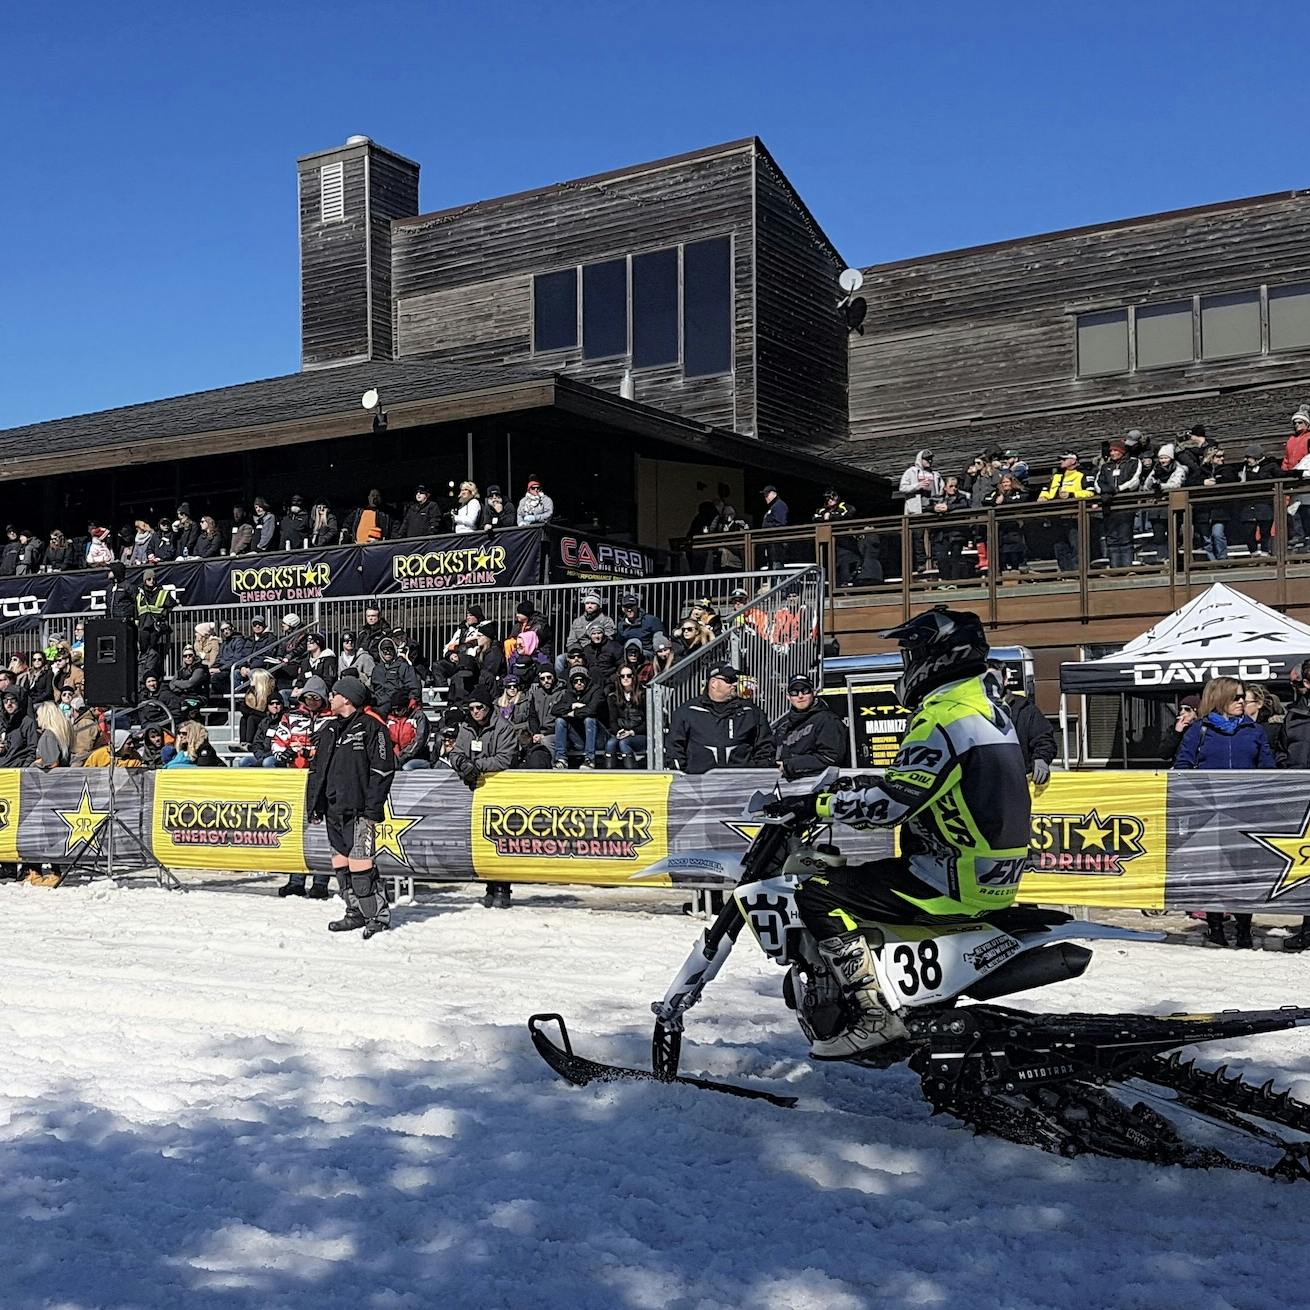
149,226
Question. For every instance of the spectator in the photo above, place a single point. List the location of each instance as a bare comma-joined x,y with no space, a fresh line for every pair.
208,542
1224,738
234,650
370,522
703,612
243,532
461,661
150,708
207,646
9,555
126,754
1294,735
88,733
154,604
468,509
809,738
190,682
546,701
18,731
1068,483
1265,709
144,546
1258,514
533,754
592,612
536,508
531,623
1172,736
186,534
54,737
422,516
1118,476
1296,461
323,528
626,712
99,547
663,654
948,542
635,625
775,516
264,734
194,750
151,742
319,659
293,532
496,513
286,657
31,553
255,703
1031,726
512,703
1190,453
353,660
602,655
79,638
918,486
264,523
718,729
1014,466
373,630
578,721
634,658
484,744
1213,515
1010,527
60,554
981,478
39,679
296,737
1168,474
407,727
393,681
690,636
166,546
859,557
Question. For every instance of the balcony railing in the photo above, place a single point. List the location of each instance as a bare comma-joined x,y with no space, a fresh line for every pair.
1074,550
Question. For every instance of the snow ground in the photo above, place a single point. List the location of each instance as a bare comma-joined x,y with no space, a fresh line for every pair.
207,1101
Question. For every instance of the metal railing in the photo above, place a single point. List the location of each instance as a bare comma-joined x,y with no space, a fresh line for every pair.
778,635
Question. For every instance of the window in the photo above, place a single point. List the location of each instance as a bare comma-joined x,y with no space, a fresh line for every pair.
1103,343
655,308
332,192
605,309
1289,317
555,310
707,307
1230,325
1164,334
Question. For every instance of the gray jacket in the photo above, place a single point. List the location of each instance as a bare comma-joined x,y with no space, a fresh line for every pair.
492,750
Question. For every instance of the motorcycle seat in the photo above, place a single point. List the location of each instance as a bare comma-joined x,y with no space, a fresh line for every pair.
1026,918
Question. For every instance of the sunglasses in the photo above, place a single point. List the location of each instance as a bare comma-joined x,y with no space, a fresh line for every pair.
691,631
625,677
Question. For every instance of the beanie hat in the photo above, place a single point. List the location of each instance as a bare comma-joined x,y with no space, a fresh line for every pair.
351,688
119,570
315,686
591,598
1196,430
526,608
660,642
477,612
1255,452
184,509
1165,452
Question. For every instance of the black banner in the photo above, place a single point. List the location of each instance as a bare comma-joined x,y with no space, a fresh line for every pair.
472,560
575,557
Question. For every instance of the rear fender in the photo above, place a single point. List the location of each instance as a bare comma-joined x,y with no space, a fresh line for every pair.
929,964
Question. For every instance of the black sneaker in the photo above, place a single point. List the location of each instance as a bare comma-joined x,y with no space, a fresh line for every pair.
320,891
292,888
1242,940
375,926
489,897
352,920
500,900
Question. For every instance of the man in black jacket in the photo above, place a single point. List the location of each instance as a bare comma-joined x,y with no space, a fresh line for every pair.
809,737
579,718
393,680
1036,736
719,730
120,599
349,782
293,531
422,516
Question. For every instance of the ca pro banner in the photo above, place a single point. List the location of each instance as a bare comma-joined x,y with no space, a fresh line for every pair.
575,557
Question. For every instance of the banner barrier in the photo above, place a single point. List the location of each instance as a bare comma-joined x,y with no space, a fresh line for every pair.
1134,840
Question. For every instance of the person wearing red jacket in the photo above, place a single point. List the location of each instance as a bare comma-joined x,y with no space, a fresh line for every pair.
407,726
1295,457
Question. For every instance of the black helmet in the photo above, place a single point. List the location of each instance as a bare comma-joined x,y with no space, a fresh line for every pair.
941,646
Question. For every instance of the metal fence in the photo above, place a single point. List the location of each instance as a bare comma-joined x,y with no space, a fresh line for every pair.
778,635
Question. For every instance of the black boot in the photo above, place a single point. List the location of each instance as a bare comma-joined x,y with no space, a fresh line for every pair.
1215,930
1242,937
375,926
293,886
500,899
489,896
1300,939
351,920
320,891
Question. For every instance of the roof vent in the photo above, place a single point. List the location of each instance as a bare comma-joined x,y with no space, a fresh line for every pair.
332,192
358,141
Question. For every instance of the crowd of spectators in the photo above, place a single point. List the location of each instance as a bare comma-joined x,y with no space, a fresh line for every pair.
259,528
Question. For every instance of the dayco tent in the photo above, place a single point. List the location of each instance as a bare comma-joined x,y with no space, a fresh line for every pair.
1221,633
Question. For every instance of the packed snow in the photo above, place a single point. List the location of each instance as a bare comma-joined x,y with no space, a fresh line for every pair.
206,1100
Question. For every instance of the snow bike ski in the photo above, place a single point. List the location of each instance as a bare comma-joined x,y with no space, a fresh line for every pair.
1108,1084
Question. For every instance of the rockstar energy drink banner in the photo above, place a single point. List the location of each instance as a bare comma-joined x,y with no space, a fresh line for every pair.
9,814
595,828
252,820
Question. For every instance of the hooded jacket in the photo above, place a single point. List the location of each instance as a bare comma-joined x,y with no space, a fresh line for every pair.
353,768
545,707
20,734
393,680
731,734
916,500
1218,742
585,702
809,741
1033,728
293,530
234,651
642,629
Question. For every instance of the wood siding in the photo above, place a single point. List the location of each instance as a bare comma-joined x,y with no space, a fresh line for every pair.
970,347
393,193
800,332
462,279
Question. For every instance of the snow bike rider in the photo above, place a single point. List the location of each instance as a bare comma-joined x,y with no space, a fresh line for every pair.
959,789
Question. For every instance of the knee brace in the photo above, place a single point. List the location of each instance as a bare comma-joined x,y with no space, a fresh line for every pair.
367,887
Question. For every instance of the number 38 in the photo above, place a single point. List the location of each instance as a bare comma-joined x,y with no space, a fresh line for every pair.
920,970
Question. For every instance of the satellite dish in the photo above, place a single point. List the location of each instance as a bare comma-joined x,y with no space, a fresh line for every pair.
370,398
851,280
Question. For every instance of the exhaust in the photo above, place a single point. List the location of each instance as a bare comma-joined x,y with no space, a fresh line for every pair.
1055,963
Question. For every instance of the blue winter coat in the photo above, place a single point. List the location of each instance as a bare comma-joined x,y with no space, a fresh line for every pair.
1218,742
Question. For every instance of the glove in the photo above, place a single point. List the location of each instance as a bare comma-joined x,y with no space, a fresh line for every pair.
1041,772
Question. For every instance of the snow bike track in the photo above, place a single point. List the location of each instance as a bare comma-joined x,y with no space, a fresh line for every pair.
207,1100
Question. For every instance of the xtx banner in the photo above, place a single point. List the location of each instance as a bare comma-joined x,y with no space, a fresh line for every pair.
1186,840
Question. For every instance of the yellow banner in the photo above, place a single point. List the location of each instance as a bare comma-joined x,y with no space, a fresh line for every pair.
1098,839
569,827
10,782
252,820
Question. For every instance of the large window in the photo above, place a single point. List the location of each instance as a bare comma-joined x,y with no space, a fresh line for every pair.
655,308
707,307
1103,343
605,309
1289,317
555,310
1230,325
1164,334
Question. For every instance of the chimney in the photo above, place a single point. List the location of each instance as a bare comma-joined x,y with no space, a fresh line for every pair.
348,197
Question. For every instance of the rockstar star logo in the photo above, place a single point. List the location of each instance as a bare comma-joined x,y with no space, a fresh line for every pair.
1094,832
391,833
263,815
614,821
1293,849
746,831
83,823
482,559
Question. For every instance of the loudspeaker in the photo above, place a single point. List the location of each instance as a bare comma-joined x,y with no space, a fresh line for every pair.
109,663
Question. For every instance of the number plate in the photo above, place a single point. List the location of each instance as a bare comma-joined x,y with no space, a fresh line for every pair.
925,969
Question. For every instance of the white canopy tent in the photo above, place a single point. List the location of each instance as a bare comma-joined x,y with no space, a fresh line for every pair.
1220,633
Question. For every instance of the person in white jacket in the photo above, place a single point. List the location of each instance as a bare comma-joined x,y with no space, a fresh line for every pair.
920,484
468,508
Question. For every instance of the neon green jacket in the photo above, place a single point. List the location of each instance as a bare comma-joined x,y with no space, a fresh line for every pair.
959,791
